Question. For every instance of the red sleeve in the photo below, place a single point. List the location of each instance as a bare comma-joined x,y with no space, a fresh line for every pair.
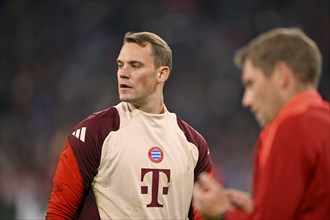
67,191
72,194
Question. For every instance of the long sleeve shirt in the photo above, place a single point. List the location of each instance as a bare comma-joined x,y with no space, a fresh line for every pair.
123,163
292,163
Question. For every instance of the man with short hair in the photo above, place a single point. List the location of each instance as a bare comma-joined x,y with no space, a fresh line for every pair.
135,160
281,70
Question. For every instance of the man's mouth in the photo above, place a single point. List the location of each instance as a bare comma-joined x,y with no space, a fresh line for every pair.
125,86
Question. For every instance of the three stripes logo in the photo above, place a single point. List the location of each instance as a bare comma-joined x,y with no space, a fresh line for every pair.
80,133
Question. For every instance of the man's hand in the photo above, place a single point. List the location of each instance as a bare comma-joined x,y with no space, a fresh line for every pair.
209,197
211,200
240,199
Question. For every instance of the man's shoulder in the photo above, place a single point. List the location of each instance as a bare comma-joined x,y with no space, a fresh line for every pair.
184,125
191,133
312,124
103,121
310,117
108,113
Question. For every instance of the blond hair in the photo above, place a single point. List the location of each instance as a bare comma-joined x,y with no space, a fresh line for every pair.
290,45
161,51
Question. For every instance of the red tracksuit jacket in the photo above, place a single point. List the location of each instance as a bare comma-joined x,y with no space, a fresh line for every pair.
292,163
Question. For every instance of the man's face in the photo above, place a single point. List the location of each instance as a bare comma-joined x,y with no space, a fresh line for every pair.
260,94
137,76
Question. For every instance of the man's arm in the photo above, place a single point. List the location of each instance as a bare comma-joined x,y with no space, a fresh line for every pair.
67,191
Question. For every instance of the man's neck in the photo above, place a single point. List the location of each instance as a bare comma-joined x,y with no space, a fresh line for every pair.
152,107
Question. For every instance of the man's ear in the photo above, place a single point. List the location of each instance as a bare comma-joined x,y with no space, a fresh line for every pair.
164,73
283,74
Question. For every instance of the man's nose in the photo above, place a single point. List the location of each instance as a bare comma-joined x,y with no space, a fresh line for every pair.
123,72
246,100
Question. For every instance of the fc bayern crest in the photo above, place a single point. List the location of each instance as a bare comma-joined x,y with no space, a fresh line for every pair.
156,154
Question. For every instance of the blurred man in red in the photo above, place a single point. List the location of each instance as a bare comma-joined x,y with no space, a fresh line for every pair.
281,70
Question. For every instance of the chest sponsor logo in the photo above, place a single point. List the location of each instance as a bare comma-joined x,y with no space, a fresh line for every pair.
156,154
155,185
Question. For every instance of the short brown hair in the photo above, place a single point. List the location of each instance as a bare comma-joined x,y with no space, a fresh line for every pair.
290,45
161,51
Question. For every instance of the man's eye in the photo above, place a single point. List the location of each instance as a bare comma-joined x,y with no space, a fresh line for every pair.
136,65
119,65
248,84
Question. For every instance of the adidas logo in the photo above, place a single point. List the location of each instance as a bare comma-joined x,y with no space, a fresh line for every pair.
80,133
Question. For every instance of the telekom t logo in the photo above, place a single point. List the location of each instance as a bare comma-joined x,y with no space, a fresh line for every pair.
155,184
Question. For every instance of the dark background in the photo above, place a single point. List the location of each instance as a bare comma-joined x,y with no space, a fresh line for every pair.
58,65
